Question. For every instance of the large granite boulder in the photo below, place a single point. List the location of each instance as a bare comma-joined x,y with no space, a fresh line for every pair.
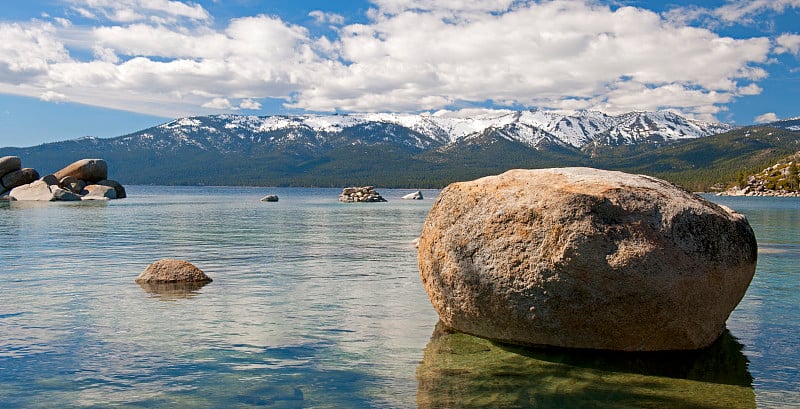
584,258
89,170
172,271
9,164
18,178
40,190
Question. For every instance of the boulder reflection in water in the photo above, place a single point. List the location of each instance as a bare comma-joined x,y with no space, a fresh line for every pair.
173,291
460,370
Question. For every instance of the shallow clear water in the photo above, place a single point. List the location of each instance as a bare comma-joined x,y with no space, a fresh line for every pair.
318,304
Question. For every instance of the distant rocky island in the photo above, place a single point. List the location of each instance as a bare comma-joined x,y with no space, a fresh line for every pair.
780,180
85,179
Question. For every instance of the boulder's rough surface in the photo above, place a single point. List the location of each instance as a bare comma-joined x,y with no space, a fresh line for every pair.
270,198
9,164
365,194
413,196
584,258
18,178
172,271
90,170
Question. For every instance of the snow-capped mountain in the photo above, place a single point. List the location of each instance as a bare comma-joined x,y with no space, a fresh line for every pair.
426,131
427,149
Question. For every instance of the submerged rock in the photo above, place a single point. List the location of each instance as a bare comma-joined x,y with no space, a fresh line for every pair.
584,258
172,271
463,371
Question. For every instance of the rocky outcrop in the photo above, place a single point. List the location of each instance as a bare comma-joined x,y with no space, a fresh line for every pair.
781,179
172,271
85,179
360,194
584,258
413,196
270,198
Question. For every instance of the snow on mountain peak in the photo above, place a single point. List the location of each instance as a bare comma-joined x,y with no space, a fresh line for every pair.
573,128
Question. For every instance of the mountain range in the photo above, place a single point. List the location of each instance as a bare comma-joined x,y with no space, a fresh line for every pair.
417,150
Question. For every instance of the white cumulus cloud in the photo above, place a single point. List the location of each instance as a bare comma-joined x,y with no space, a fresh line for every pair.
767,117
426,54
788,43
169,58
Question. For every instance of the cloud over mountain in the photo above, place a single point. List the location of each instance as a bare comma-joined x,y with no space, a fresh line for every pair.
171,58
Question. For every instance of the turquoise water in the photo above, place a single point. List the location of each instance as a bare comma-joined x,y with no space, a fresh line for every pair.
318,304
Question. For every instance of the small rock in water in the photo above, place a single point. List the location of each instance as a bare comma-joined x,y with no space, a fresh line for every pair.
270,198
365,194
413,196
172,271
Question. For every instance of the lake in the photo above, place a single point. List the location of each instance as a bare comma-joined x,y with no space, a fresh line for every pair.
318,304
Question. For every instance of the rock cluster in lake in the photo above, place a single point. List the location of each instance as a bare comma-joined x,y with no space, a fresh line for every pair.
86,179
584,258
360,194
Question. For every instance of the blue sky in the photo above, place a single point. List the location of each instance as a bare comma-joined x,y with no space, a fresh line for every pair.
72,68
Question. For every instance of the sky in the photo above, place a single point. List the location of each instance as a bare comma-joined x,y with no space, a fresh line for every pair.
105,68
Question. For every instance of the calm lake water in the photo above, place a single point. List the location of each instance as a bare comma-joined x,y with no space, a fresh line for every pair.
318,304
